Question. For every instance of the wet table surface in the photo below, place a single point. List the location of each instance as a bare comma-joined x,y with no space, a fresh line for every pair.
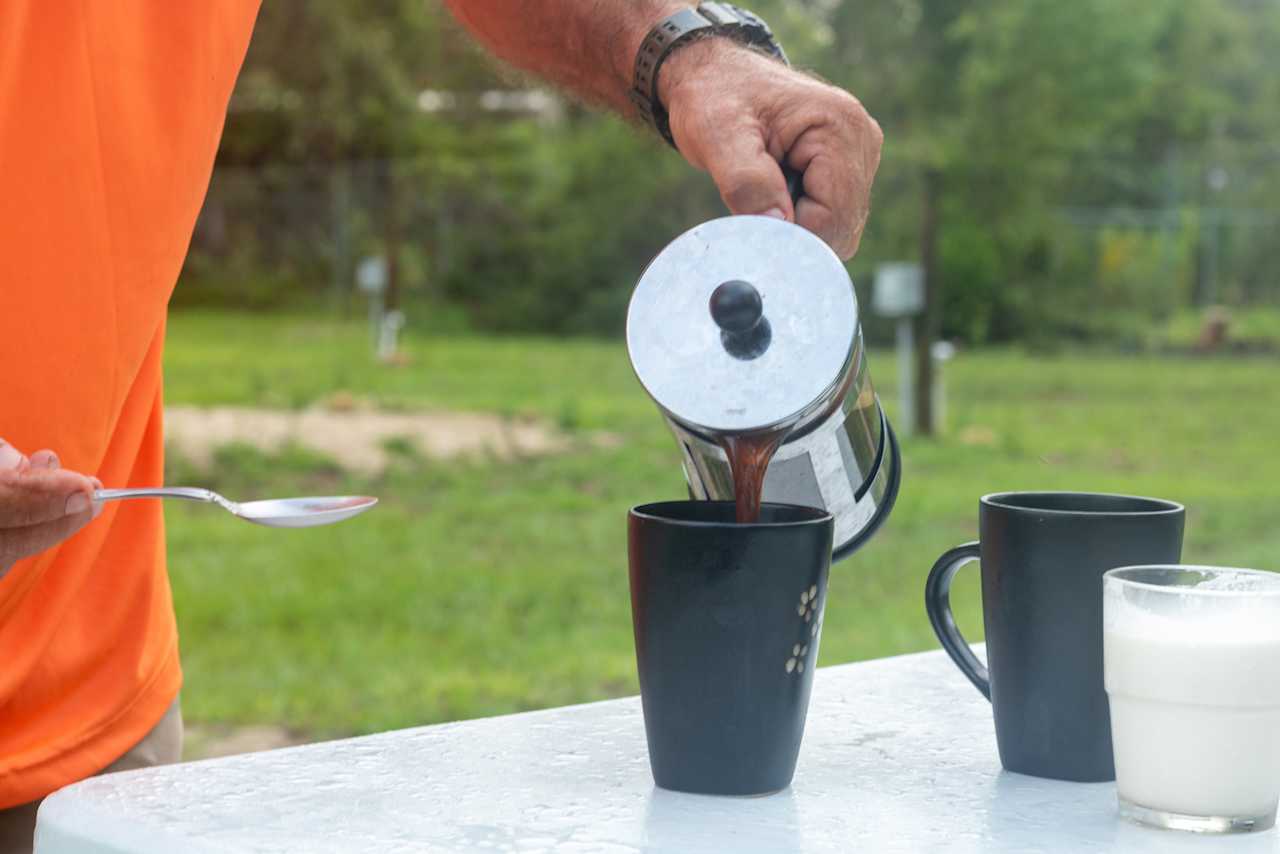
899,755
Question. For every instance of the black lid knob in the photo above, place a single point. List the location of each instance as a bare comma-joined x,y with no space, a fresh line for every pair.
736,306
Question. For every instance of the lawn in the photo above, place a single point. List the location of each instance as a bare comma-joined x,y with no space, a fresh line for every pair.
487,586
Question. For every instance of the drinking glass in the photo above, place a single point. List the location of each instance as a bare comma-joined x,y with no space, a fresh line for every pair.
1192,672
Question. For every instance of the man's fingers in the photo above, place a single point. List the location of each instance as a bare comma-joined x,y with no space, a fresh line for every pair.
819,219
749,179
40,503
736,113
19,543
10,457
837,195
841,237
45,459
40,496
839,152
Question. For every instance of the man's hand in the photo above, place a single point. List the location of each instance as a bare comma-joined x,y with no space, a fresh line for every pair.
737,114
41,504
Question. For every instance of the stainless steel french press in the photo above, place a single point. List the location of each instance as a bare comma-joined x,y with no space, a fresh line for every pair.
747,324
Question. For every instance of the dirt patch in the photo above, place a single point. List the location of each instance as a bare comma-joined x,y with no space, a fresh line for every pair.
205,741
979,436
358,439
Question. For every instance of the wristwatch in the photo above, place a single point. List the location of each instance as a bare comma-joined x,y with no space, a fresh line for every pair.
681,28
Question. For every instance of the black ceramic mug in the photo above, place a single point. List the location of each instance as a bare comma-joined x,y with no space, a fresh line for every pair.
727,621
1043,555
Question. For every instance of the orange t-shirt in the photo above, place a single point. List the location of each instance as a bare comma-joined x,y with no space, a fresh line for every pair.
110,115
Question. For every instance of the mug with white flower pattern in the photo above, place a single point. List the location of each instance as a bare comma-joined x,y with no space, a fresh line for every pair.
727,620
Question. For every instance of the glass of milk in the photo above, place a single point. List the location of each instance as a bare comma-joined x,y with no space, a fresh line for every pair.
1192,672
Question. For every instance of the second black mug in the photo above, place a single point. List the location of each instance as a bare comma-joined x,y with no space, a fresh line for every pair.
1043,555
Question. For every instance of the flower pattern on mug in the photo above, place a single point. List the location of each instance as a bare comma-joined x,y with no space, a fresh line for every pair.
811,613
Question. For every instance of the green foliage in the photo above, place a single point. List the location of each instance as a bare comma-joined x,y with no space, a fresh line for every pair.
1134,272
481,587
561,254
1061,132
979,303
327,81
1030,110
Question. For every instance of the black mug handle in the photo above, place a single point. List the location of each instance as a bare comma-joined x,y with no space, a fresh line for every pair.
937,601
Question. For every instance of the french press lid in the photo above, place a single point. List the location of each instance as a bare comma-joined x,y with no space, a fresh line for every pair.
741,324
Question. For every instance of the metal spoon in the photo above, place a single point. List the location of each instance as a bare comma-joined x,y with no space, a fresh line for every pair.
272,512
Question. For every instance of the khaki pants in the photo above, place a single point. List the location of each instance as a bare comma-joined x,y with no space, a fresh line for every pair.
161,746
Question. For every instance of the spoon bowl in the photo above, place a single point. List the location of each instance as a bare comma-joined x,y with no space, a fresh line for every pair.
306,512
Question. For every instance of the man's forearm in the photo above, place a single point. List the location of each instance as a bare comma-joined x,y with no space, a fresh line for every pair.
586,46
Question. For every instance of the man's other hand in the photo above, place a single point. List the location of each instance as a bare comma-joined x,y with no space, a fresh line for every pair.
737,114
41,504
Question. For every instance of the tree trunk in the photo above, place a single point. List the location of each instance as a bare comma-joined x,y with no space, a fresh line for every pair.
392,239
340,269
928,323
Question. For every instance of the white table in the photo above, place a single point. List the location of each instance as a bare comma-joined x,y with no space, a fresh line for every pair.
899,755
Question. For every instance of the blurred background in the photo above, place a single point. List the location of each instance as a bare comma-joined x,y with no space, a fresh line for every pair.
410,279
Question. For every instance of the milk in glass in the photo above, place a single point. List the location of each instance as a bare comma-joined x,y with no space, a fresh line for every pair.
1193,679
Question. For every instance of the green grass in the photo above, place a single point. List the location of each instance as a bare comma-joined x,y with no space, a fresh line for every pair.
486,587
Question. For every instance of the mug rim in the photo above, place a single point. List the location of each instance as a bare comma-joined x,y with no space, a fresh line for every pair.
1157,506
652,511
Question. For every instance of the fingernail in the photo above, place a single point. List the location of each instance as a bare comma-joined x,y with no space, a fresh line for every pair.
77,504
776,213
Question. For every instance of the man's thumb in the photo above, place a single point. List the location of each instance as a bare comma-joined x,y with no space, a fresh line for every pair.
11,457
749,180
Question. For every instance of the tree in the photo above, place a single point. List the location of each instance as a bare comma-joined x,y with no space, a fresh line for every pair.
985,105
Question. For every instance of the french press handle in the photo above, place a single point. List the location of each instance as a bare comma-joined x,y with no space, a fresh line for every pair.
795,182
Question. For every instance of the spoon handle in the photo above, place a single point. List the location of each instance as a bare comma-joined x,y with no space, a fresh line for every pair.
188,492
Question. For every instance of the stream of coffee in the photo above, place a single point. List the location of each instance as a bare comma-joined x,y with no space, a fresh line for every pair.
749,455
